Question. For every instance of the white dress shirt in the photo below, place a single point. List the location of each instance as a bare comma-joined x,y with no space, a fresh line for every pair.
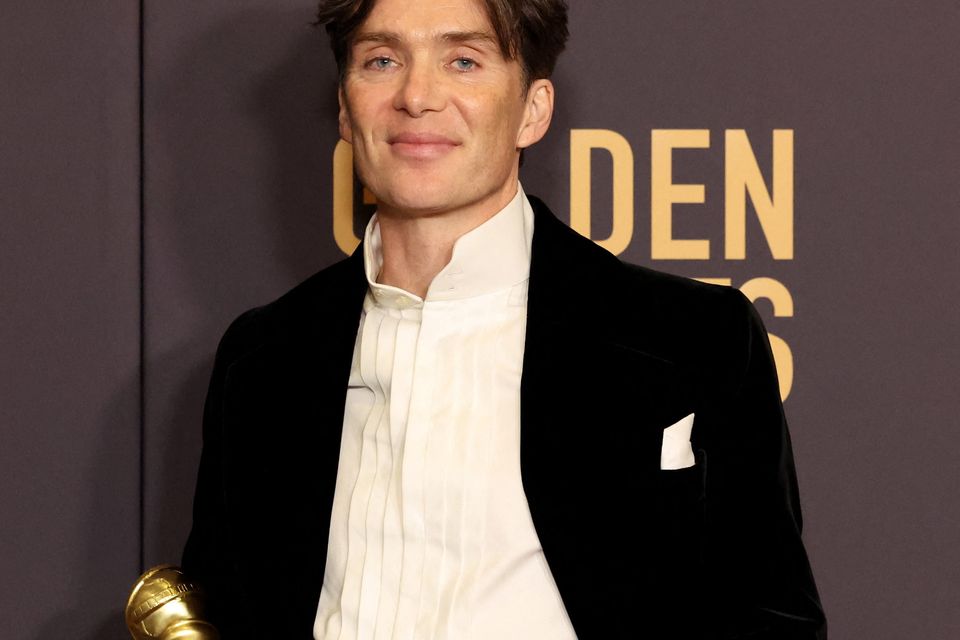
430,534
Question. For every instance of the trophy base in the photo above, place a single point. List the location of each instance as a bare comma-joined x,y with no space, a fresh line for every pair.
190,630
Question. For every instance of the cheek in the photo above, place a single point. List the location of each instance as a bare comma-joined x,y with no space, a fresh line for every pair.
359,129
494,120
360,115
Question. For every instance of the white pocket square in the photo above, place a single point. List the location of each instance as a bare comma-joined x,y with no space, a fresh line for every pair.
677,452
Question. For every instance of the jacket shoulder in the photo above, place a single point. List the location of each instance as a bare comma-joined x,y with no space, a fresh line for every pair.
679,297
286,316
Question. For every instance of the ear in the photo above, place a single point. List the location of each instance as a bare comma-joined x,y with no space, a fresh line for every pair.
538,111
343,119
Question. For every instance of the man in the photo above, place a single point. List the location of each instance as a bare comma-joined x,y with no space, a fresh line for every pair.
480,424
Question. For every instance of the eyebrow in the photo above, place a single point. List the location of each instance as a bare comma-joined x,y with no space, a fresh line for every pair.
469,36
457,37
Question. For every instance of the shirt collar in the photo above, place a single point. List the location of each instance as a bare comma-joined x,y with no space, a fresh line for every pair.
492,257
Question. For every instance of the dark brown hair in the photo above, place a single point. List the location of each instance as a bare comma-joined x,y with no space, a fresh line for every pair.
531,31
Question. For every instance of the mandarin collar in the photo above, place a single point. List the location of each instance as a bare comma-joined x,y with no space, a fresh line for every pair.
491,257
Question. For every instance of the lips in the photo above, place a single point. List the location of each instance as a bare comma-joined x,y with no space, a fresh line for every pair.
423,146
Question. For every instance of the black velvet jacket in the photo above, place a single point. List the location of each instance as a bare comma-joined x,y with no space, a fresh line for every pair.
614,354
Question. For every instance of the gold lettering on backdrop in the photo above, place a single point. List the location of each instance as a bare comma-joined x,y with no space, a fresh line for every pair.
742,176
664,194
343,198
774,210
582,144
782,301
779,296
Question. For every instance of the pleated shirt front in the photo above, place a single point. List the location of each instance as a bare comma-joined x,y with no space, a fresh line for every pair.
431,535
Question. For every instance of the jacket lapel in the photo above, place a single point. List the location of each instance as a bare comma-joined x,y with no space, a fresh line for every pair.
286,408
595,396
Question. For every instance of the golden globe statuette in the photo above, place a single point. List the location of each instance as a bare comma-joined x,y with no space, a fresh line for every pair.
165,605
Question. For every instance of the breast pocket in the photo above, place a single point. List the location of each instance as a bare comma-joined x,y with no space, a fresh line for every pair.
681,523
681,487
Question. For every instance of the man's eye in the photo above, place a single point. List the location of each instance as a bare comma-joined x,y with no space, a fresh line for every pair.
464,64
379,63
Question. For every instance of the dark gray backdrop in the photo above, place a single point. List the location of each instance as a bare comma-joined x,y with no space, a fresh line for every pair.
115,290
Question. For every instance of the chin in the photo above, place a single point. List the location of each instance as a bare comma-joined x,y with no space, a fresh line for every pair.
420,202
421,194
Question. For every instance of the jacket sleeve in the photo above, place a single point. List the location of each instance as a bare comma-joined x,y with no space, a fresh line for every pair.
207,557
760,585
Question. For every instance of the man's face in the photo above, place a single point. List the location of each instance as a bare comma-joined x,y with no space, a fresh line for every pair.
435,113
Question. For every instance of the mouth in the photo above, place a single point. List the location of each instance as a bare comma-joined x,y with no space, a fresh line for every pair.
421,146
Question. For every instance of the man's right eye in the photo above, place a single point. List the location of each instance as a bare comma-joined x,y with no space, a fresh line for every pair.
379,63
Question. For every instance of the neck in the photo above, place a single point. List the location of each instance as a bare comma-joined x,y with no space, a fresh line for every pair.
416,247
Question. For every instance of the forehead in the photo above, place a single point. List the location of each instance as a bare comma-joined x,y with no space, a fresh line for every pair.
415,20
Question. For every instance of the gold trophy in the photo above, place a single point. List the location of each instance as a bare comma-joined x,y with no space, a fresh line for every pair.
165,605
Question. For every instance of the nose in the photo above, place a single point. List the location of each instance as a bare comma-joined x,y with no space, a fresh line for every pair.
421,89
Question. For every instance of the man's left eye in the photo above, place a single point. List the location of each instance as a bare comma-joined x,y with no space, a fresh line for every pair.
464,64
